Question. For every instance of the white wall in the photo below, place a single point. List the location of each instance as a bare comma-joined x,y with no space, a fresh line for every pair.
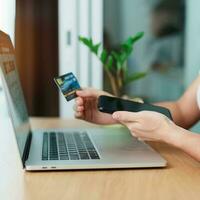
192,50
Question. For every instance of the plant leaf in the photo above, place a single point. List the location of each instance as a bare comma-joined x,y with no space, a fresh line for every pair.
123,57
91,42
110,62
85,41
117,58
127,48
128,44
135,76
138,36
104,56
95,48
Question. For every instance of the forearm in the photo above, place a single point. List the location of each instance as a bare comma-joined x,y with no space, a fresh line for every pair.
176,112
185,140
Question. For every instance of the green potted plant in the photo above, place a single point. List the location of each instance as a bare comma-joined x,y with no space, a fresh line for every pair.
115,62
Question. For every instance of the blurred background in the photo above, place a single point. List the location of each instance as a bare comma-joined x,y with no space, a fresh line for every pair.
45,35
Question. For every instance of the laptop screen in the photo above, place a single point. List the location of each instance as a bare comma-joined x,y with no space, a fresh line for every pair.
14,94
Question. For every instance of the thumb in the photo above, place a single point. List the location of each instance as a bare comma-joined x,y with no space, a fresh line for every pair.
124,116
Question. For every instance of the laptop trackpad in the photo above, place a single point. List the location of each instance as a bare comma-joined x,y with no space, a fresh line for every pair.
113,142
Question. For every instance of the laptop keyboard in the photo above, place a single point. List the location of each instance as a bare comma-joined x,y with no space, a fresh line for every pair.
68,146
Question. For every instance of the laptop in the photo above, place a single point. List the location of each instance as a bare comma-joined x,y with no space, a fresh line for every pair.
71,148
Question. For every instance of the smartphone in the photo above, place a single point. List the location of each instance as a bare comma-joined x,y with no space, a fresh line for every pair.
109,104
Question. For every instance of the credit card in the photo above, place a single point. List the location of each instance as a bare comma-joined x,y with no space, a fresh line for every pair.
68,84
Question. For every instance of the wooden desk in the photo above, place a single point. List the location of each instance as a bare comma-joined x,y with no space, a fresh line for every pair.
180,180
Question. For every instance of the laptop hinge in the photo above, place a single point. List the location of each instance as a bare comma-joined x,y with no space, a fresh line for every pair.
26,149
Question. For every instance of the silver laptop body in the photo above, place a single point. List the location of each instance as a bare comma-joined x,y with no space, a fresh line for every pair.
68,149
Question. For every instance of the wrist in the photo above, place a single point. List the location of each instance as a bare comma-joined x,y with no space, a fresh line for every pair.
175,135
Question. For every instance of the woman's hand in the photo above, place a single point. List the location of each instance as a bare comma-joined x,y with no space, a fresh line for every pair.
146,125
86,107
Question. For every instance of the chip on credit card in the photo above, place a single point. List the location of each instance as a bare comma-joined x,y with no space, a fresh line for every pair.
68,84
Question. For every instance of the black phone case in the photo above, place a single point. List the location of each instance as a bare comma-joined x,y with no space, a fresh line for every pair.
110,105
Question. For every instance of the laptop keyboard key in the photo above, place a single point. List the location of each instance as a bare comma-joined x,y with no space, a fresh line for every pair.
45,147
53,146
